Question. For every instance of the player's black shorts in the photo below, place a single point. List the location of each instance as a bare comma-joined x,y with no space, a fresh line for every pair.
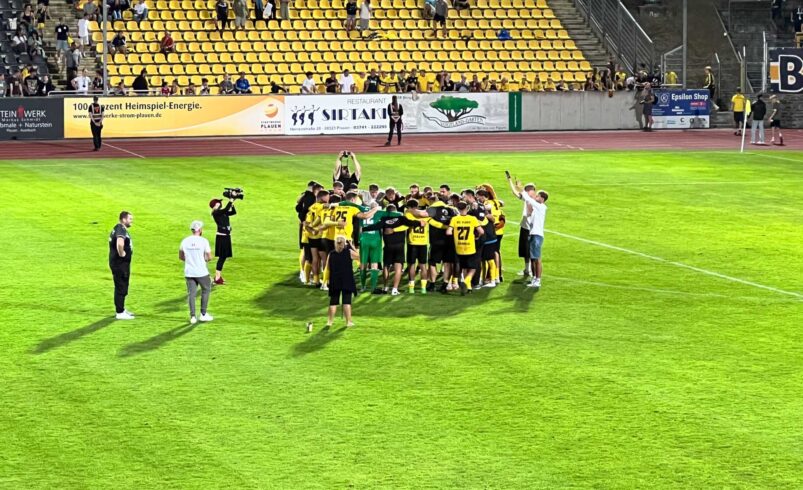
223,246
416,253
738,117
328,245
489,251
469,261
316,243
436,253
300,231
393,255
449,254
776,123
307,252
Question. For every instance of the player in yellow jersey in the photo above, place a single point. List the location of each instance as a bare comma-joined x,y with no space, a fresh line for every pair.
498,214
314,219
417,243
465,230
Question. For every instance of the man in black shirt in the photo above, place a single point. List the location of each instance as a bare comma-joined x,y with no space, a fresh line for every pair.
351,15
275,88
96,122
223,236
62,33
120,252
372,83
412,82
140,85
342,173
303,204
331,84
758,113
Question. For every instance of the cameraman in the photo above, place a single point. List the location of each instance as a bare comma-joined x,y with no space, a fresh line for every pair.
223,236
342,173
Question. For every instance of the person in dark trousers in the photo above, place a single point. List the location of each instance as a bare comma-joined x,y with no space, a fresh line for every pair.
775,119
223,236
758,111
96,122
341,279
120,252
395,113
647,101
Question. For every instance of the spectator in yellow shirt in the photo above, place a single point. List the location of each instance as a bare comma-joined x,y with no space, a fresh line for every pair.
537,85
671,78
549,86
359,83
738,105
504,85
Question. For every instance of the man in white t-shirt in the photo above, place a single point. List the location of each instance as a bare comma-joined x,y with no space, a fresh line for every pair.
82,83
83,31
536,207
308,85
195,252
346,83
524,234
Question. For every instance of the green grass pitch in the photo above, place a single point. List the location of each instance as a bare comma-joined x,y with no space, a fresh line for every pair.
624,371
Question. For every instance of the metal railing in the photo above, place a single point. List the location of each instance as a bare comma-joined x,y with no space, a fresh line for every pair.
673,61
621,33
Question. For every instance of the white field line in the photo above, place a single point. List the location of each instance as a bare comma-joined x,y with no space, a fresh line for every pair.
675,263
123,149
268,147
797,160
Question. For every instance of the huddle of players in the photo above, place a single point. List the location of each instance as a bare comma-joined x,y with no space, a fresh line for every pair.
460,233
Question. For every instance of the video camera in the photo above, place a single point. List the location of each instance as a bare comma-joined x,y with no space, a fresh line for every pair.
233,193
346,154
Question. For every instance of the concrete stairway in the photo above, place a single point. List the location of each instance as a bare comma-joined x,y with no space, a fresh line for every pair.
58,72
574,22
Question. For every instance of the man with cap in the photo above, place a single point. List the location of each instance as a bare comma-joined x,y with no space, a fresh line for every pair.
711,84
195,252
96,122
223,236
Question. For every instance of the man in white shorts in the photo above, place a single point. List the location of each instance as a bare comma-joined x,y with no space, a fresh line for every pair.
195,253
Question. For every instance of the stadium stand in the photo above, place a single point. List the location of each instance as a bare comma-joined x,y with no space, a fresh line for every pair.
25,57
314,40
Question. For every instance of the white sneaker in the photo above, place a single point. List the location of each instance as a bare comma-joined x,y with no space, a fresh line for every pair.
128,312
477,287
489,285
324,287
206,317
536,283
302,277
124,316
395,292
193,320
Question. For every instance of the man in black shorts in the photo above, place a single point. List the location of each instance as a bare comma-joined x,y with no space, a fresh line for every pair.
775,119
440,215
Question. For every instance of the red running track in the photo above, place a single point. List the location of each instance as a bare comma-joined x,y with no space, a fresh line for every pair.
667,140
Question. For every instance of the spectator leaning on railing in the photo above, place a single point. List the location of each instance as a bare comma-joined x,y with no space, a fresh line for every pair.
308,85
44,86
82,83
346,83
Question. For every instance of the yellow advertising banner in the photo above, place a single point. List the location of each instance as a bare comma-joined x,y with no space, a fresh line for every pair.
155,117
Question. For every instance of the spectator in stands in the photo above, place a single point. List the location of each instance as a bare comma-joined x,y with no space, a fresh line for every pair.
91,10
620,78
83,31
429,10
371,83
19,43
738,103
365,16
441,13
758,113
167,44
222,10
41,17
259,9
284,5
14,84
308,86
630,82
120,89
82,83
97,82
62,34
475,85
242,85
119,44
549,85
401,83
671,79
463,85
777,7
351,15
116,9
44,5
711,84
463,5
270,11
504,85
275,88
26,18
175,89
141,11
448,83
240,14
412,84
485,84
797,18
35,46
205,89
76,55
30,82
191,89
164,89
331,84
589,83
226,87
605,82
140,85
388,82
45,86
346,83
